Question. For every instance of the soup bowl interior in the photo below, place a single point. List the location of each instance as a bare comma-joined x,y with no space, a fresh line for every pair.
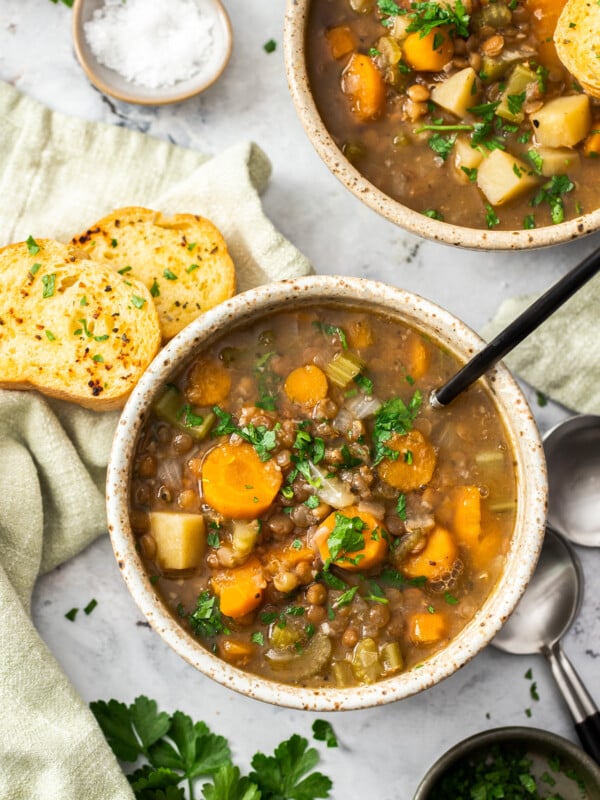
449,333
295,49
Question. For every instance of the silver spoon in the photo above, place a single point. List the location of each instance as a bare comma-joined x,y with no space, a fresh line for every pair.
573,456
544,613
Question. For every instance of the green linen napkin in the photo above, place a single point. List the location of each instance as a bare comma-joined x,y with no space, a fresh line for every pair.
57,176
560,358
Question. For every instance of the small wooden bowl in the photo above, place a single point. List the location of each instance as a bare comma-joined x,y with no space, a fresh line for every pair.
110,82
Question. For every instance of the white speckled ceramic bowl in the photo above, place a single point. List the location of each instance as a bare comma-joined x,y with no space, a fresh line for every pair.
296,19
451,334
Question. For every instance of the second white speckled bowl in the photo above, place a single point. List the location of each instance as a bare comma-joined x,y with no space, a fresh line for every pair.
452,334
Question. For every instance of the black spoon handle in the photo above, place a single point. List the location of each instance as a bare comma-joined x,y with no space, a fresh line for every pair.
518,329
584,711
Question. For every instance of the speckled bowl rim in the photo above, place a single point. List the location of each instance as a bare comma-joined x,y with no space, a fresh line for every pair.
296,18
458,339
529,737
139,95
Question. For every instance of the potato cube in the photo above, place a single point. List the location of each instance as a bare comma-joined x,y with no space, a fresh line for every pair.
563,122
502,177
557,160
466,156
180,539
458,93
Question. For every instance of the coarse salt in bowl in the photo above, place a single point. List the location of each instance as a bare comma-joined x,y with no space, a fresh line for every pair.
151,54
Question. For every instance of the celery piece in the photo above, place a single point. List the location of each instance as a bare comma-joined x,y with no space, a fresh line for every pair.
366,666
342,672
170,407
391,657
503,506
513,96
342,368
490,458
244,537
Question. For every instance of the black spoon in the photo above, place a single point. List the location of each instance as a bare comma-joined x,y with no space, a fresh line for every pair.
518,330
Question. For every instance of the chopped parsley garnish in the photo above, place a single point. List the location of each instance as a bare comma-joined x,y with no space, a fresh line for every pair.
346,598
206,620
536,160
191,246
34,269
441,145
155,289
187,416
401,506
332,330
471,173
260,437
515,102
32,246
450,599
50,336
98,359
170,276
48,285
533,691
312,502
551,193
270,46
213,539
433,214
70,615
90,607
394,416
124,270
138,302
391,577
83,301
541,398
258,638
529,222
346,537
192,267
425,16
366,384
491,217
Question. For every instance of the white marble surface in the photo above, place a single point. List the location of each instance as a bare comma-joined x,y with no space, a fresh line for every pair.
112,653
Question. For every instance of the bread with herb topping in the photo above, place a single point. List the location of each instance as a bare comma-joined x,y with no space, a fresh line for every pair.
576,40
70,327
182,260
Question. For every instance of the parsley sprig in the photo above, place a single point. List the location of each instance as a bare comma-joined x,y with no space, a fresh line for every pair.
427,15
260,437
176,750
552,193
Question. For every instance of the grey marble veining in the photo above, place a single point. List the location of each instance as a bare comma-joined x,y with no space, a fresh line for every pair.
112,652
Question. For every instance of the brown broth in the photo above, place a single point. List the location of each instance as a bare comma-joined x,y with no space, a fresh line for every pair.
340,623
394,152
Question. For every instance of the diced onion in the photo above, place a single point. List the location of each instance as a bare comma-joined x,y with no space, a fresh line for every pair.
361,405
376,510
331,490
169,472
343,421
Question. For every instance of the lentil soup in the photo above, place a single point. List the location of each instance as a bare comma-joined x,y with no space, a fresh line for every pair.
304,512
460,111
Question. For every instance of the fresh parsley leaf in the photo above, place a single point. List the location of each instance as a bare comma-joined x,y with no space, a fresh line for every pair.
491,217
286,775
258,638
169,275
71,614
471,173
130,730
425,16
191,748
515,102
346,598
155,289
323,732
90,606
270,46
365,384
138,302
552,193
48,285
401,506
433,214
529,222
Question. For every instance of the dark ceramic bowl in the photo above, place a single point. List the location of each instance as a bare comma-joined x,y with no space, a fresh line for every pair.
541,745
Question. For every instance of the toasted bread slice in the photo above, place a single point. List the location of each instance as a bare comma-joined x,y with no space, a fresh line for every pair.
576,39
183,260
70,327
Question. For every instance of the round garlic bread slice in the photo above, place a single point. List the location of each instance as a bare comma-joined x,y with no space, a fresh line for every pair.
183,260
70,327
576,38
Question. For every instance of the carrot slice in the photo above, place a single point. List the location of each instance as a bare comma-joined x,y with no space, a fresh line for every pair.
375,546
415,464
591,146
239,589
467,514
209,383
306,385
418,357
341,40
360,334
429,53
236,483
435,560
425,628
364,84
235,651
